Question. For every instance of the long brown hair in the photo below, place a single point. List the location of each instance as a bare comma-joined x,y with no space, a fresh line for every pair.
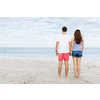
77,36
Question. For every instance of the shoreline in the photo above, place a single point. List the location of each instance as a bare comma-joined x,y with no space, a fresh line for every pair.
56,57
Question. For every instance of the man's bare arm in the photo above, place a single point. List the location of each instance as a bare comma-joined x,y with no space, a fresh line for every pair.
57,43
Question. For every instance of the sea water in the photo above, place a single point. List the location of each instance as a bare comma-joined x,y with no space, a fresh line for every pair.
43,52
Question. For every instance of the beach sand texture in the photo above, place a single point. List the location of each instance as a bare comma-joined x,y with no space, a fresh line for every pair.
45,71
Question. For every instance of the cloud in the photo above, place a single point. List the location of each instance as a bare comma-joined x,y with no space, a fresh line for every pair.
43,31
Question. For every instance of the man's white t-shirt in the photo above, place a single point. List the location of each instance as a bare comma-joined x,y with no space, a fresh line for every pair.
63,43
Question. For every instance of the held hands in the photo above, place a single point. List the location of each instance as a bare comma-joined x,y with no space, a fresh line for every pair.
70,54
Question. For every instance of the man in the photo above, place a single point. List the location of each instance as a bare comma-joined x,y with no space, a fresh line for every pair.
63,41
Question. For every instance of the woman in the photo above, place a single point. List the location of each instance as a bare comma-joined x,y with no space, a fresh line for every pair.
77,50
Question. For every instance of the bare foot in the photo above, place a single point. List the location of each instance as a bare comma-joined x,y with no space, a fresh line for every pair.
78,77
58,76
66,76
75,77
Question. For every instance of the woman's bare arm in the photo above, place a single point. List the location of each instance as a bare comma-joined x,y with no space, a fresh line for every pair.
82,45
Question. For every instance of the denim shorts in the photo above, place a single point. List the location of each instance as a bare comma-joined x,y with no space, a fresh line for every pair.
77,53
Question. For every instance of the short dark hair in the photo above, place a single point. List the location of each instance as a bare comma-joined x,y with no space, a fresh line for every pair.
64,29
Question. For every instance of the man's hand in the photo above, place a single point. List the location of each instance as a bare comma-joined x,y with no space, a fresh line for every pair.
56,53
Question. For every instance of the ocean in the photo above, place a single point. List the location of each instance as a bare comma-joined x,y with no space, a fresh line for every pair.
43,52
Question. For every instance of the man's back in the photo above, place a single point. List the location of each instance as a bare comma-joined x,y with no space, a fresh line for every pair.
63,40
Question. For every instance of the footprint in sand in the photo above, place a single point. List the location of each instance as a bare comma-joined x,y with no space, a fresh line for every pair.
52,78
3,76
36,74
94,66
30,80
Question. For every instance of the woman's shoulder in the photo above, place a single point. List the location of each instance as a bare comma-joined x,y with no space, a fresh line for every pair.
82,40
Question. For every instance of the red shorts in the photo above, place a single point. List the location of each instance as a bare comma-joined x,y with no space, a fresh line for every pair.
63,56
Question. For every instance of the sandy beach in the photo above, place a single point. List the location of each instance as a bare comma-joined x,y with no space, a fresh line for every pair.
45,70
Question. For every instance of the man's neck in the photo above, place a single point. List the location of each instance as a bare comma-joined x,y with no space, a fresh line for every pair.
64,33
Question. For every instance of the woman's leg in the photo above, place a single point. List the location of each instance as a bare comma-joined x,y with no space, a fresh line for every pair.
79,68
77,63
75,67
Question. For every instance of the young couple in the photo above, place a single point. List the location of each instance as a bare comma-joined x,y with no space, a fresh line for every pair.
75,45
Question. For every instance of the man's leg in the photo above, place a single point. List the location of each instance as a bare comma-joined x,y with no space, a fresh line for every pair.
60,67
66,67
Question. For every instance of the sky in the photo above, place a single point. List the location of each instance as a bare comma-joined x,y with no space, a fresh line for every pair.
43,31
